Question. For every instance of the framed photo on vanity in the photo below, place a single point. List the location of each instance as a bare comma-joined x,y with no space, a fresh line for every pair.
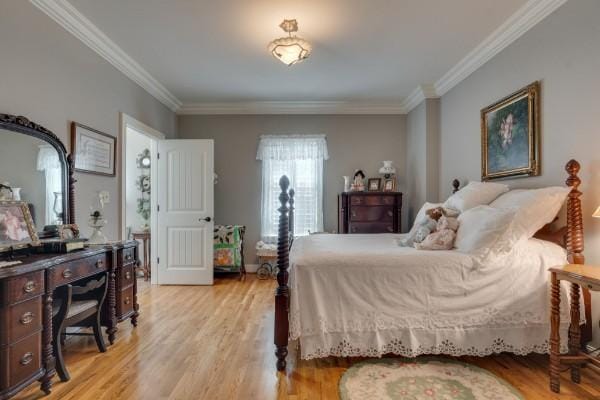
17,230
389,185
374,184
94,151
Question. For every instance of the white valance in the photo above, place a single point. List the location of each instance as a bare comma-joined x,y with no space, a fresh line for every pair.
292,147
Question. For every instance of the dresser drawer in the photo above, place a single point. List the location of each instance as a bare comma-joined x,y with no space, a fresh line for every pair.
20,320
372,200
74,270
126,275
371,227
125,302
127,256
371,214
22,287
24,359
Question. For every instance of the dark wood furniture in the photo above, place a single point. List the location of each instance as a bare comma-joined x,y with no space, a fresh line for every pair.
27,292
369,212
580,276
78,306
145,237
570,237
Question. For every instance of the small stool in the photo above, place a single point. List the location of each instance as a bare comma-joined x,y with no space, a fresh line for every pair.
579,275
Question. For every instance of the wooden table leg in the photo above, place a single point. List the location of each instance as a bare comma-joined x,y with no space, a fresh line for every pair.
574,332
47,354
111,330
555,335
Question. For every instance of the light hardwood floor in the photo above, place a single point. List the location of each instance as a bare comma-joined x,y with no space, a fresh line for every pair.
216,343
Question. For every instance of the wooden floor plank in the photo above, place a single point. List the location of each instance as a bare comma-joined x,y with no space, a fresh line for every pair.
217,343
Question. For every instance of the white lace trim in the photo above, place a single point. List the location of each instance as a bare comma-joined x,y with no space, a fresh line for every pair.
411,343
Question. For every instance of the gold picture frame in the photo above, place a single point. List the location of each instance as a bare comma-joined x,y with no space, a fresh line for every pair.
17,230
389,185
510,135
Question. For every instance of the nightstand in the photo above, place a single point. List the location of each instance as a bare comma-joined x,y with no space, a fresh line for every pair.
580,276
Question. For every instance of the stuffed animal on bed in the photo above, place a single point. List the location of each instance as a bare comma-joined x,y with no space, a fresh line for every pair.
427,226
443,237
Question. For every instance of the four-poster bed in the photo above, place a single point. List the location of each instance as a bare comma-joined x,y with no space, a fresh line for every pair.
569,237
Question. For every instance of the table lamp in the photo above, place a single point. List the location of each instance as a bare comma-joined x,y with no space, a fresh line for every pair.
596,213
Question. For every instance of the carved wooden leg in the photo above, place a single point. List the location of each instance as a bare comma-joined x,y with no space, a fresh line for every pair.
112,306
281,329
136,306
282,293
574,332
47,353
555,336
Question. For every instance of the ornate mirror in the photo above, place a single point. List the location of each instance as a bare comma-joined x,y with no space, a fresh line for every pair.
35,168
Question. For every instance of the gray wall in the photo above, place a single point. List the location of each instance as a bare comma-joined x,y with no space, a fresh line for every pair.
562,52
354,142
52,78
422,159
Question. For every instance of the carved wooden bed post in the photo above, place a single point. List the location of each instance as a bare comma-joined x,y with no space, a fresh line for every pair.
575,248
291,218
282,293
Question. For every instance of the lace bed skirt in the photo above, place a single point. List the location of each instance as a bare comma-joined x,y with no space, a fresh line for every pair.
408,342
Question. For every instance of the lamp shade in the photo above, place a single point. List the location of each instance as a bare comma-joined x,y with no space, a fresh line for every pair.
290,50
596,213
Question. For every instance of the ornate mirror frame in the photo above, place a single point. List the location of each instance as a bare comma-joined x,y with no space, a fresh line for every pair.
20,124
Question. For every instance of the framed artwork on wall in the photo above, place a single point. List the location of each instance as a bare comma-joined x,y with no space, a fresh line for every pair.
510,135
94,151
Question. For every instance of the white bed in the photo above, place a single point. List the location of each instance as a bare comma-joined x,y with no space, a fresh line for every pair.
363,295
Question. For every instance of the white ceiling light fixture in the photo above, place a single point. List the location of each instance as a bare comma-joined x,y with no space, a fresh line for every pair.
290,50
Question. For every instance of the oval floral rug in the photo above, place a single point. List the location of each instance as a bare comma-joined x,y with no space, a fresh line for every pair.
428,378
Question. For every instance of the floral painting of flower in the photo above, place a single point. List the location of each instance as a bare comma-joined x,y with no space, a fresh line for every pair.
509,135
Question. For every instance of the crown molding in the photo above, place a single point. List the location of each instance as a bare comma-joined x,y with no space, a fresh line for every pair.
292,107
67,16
513,28
417,96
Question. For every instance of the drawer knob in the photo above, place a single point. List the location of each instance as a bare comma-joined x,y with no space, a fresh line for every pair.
390,213
353,214
29,286
67,273
353,229
128,257
26,318
127,300
127,275
390,229
99,264
27,358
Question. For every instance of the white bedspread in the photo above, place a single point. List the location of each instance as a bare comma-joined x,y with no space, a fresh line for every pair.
363,295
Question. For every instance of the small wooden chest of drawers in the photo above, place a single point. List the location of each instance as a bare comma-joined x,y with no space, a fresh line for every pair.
369,212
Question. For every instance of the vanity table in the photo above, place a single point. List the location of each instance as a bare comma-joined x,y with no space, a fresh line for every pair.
35,160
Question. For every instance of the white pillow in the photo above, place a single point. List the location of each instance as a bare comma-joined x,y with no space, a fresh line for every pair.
483,229
535,207
475,194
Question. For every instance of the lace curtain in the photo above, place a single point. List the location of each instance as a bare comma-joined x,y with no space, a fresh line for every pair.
300,157
48,162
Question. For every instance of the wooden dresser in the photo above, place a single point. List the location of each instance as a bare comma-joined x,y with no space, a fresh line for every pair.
369,212
26,297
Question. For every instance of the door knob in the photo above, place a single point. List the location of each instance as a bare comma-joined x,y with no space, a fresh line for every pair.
207,219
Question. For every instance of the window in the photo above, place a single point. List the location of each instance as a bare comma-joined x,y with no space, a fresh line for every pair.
301,159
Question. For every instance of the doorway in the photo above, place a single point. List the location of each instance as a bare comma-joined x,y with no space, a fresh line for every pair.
138,200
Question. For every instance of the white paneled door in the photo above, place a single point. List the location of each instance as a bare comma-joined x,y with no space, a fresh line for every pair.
185,212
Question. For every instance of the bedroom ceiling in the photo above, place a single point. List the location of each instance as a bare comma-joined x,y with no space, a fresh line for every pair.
363,51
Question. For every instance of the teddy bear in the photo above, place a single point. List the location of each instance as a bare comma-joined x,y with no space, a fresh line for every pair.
443,237
427,226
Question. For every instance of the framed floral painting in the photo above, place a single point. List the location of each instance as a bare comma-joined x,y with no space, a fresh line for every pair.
510,137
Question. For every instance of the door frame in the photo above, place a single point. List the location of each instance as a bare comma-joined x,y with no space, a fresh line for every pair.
127,121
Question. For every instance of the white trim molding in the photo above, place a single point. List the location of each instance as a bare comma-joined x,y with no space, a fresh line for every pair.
292,107
67,16
513,28
417,96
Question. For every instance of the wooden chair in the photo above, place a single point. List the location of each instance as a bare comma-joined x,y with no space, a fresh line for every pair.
78,306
